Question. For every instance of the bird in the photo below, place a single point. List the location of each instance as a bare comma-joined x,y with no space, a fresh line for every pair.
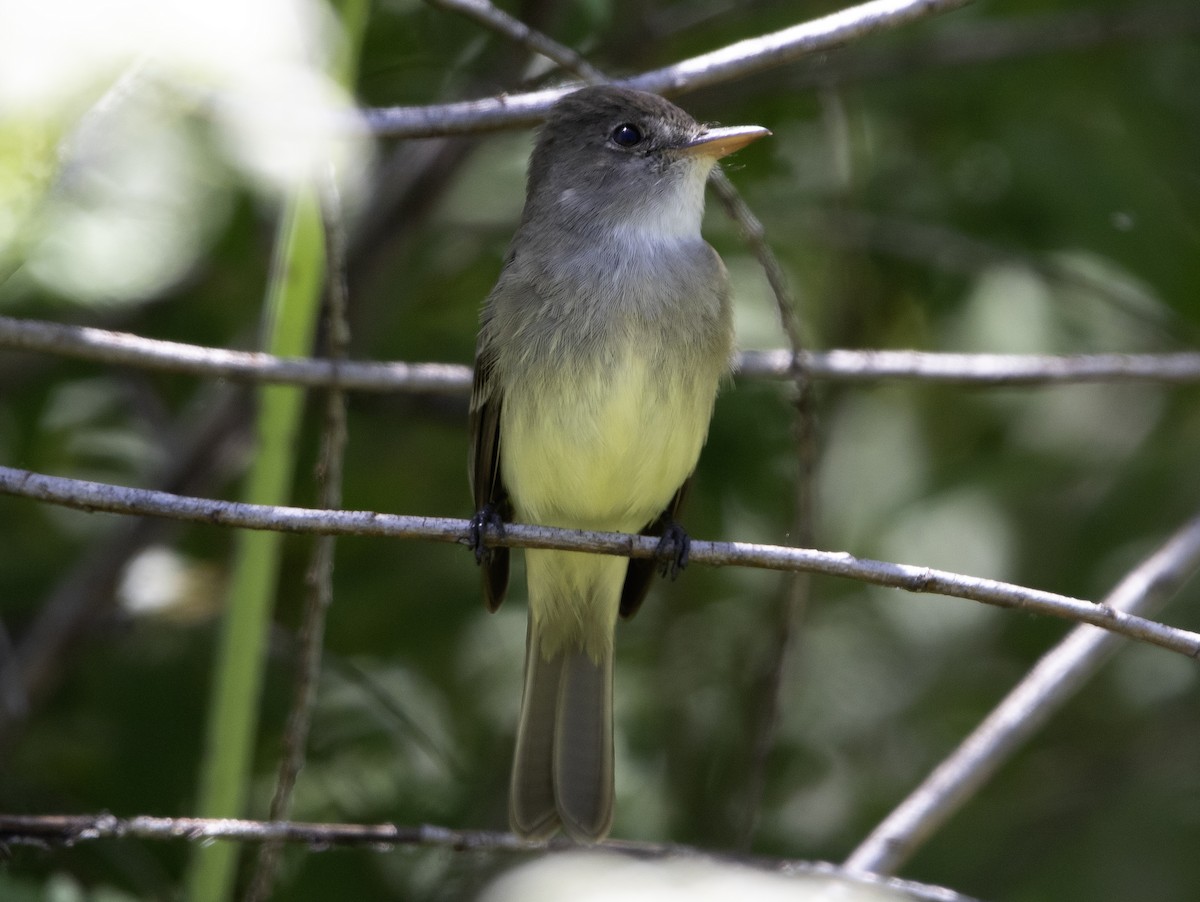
599,356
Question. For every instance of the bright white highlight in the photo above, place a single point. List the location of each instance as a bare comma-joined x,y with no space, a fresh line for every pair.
127,126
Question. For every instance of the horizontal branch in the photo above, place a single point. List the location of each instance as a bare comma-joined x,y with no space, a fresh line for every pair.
70,829
96,496
976,369
125,349
737,60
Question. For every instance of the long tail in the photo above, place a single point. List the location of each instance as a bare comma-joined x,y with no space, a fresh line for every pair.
563,767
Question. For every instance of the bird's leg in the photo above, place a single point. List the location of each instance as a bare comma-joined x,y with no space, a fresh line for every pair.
486,518
673,549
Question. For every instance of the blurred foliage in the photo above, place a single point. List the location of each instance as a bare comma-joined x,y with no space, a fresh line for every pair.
982,181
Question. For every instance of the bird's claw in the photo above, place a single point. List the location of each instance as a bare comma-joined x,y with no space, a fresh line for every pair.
484,520
673,550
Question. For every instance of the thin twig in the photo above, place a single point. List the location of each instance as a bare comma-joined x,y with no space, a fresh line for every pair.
792,606
96,496
14,696
319,577
126,349
1043,691
725,64
496,19
789,616
754,234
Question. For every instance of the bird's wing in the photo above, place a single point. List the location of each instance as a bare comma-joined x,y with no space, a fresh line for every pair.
487,483
641,570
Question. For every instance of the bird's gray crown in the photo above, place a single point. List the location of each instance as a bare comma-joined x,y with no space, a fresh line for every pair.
610,154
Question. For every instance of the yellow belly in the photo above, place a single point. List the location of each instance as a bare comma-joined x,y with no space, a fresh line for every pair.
603,450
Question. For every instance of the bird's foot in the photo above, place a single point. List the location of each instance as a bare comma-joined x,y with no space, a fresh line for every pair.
485,520
673,550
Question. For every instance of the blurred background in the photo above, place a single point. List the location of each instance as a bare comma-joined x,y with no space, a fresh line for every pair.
1017,176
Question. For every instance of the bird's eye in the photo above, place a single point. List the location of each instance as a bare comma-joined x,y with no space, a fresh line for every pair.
627,135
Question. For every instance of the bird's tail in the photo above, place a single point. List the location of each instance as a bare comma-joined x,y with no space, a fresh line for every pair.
563,768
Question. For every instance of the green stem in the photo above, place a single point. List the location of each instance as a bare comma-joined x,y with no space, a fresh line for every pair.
293,306
292,310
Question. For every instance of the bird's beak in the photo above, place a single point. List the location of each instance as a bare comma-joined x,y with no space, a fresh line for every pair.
719,142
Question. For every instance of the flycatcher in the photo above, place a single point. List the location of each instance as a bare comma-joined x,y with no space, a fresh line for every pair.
599,356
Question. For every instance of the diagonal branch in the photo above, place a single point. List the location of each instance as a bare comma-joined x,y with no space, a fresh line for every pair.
96,496
1045,689
491,16
790,609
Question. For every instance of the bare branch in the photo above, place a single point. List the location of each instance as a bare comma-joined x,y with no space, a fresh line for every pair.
726,64
96,496
491,16
769,50
790,609
977,369
126,349
318,580
122,348
58,829
70,829
1043,691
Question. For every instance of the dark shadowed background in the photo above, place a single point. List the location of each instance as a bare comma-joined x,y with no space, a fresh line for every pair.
1017,176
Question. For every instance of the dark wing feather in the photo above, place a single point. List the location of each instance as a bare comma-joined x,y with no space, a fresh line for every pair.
487,484
641,570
